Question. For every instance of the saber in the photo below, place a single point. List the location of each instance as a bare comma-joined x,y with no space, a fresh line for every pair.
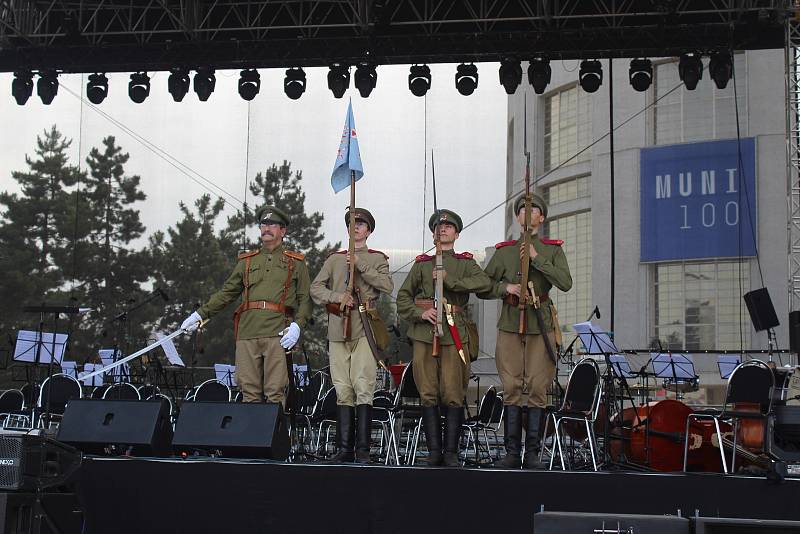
138,353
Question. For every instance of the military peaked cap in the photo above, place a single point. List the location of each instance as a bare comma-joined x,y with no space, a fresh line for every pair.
536,202
446,216
271,214
361,215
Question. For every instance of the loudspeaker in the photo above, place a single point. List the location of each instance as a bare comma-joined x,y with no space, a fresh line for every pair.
243,430
762,312
141,428
783,434
560,522
724,525
29,461
794,331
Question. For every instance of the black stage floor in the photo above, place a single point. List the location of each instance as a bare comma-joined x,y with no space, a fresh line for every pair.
123,495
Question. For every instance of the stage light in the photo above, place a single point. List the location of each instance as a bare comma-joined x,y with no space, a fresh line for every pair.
249,84
640,74
690,70
466,78
419,80
366,78
590,75
47,86
204,83
97,88
721,68
338,79
510,74
539,73
139,87
178,84
294,85
22,86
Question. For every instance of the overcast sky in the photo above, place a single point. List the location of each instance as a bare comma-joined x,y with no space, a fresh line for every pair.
396,132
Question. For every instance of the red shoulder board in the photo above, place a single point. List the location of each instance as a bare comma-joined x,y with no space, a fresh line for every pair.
423,257
464,255
546,241
504,244
244,255
375,251
294,255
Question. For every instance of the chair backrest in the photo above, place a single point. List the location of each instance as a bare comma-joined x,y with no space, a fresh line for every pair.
408,388
29,394
497,412
487,406
122,391
310,394
212,391
11,400
583,388
160,396
327,409
99,391
146,391
60,389
751,382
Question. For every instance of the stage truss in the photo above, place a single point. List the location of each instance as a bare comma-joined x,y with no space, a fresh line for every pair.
793,157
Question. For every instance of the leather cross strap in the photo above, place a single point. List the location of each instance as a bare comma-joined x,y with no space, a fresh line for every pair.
427,304
513,300
333,307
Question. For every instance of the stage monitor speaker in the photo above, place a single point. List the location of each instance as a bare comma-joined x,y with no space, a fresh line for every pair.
140,428
29,461
783,434
560,522
794,331
725,525
761,310
241,430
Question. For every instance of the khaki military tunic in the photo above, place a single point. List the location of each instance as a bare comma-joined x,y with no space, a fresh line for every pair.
352,364
440,380
523,364
260,360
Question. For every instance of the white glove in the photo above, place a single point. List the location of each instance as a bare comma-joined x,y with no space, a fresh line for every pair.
291,336
191,322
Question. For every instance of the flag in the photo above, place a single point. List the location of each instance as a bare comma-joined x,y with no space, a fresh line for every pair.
348,158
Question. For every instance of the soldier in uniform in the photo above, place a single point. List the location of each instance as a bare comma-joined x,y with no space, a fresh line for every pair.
353,365
275,306
525,368
441,380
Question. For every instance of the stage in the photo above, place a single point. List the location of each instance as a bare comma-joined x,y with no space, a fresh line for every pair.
140,495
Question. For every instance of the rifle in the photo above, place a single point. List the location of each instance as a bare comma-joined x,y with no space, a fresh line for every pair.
351,251
368,333
526,232
438,269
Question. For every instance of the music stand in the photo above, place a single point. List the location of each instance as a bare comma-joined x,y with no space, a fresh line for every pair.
726,364
39,347
95,381
226,374
69,368
621,366
674,367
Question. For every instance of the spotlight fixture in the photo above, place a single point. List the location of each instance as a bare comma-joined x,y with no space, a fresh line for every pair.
690,70
47,86
466,78
22,86
249,84
590,75
139,87
294,85
338,79
510,75
539,73
366,78
640,74
419,79
97,88
178,83
721,68
204,83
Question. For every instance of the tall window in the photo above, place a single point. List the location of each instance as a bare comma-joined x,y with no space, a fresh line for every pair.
698,305
573,189
576,232
705,113
567,127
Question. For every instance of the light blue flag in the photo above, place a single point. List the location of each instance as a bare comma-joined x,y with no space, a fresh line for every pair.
348,158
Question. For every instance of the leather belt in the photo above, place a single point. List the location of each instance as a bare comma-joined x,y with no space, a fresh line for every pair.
513,300
334,309
266,305
427,304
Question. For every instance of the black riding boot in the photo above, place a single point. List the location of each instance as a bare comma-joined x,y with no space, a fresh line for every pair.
532,442
452,434
433,434
512,437
363,432
346,434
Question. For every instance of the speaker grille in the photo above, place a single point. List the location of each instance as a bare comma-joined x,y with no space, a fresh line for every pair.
11,459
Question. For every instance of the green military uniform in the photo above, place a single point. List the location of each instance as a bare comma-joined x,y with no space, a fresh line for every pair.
441,380
525,368
352,363
276,280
